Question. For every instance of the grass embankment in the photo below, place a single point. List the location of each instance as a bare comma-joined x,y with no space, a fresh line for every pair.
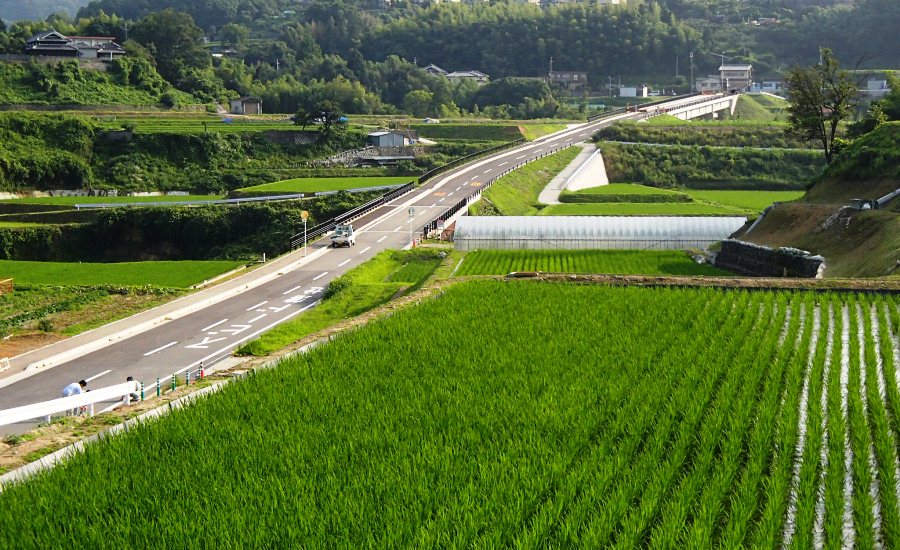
533,131
480,418
365,287
616,262
313,185
516,194
172,274
192,123
759,107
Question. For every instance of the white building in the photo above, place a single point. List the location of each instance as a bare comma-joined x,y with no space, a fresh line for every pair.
736,77
634,91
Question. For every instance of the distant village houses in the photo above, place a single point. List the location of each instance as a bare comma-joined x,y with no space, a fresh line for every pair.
571,81
246,106
476,76
55,44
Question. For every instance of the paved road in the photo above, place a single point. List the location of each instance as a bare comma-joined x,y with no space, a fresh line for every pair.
213,332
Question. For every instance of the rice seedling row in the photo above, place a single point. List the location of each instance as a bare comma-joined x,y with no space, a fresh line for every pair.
525,414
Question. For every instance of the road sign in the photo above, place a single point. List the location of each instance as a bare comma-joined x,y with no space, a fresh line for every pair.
412,212
304,215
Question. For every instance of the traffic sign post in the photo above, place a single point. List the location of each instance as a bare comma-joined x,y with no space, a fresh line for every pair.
412,214
304,216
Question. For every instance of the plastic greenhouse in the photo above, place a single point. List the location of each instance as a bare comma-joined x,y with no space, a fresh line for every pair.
612,232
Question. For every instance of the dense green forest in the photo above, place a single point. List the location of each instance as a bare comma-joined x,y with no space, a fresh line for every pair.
369,58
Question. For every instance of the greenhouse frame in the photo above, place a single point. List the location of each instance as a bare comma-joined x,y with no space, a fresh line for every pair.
604,232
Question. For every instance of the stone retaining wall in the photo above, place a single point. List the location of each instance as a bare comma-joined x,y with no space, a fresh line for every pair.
761,261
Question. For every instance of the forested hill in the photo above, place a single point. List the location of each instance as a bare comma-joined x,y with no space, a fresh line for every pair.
14,10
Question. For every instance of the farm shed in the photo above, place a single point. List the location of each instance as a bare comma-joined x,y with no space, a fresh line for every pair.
611,232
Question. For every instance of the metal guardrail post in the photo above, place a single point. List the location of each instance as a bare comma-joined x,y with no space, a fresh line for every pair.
158,390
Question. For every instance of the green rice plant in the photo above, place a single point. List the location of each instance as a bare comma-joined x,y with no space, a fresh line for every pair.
623,262
777,485
748,494
728,419
804,490
883,439
833,472
863,500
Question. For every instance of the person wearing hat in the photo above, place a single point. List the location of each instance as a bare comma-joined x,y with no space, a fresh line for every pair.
75,388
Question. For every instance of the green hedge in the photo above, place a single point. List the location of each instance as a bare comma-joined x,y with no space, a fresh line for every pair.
711,135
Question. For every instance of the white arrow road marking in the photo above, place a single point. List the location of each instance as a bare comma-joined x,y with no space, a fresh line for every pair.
205,343
296,299
96,376
385,237
285,293
251,308
236,330
169,345
257,318
366,249
345,262
317,277
276,309
214,325
314,289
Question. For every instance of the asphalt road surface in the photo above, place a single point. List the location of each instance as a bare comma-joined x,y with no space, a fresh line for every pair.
213,332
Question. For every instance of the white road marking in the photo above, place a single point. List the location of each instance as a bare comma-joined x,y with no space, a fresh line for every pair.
151,352
236,330
503,163
385,237
460,187
317,277
275,309
257,318
204,344
345,262
214,325
521,157
251,308
487,171
442,200
366,249
96,376
450,194
291,290
433,205
399,227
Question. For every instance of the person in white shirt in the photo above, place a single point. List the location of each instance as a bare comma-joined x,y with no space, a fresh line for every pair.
75,388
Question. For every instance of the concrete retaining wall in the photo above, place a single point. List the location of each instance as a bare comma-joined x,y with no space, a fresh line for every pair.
761,261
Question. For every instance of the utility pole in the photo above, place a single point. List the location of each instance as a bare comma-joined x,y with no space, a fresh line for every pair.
692,71
676,65
722,74
610,85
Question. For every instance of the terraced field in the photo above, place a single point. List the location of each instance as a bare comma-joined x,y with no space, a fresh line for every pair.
522,414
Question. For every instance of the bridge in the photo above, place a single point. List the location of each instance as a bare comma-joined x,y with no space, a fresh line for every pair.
692,106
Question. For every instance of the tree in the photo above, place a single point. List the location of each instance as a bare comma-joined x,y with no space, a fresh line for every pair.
174,41
234,35
315,109
820,98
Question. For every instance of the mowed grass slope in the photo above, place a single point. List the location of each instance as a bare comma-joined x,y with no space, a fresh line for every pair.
618,262
516,194
173,274
486,418
640,209
313,185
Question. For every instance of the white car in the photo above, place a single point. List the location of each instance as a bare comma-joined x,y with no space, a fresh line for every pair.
343,236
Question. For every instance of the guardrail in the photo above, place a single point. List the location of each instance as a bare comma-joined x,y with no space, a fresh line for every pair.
470,157
447,214
324,227
87,400
189,203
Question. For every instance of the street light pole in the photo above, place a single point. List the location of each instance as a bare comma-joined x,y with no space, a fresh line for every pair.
692,72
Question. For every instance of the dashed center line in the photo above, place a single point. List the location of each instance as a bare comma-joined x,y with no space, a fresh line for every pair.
488,171
366,249
285,293
385,237
214,325
251,308
399,227
345,262
151,352
503,163
442,200
450,193
317,277
521,157
257,318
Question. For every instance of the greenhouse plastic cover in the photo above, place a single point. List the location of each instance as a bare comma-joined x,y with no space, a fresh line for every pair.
565,232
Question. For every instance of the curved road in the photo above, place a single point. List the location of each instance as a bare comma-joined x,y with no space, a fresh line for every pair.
249,308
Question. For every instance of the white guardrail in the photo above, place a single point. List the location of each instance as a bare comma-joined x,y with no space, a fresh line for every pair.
119,392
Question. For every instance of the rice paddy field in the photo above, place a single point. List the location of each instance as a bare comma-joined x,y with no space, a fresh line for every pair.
312,185
618,262
525,414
